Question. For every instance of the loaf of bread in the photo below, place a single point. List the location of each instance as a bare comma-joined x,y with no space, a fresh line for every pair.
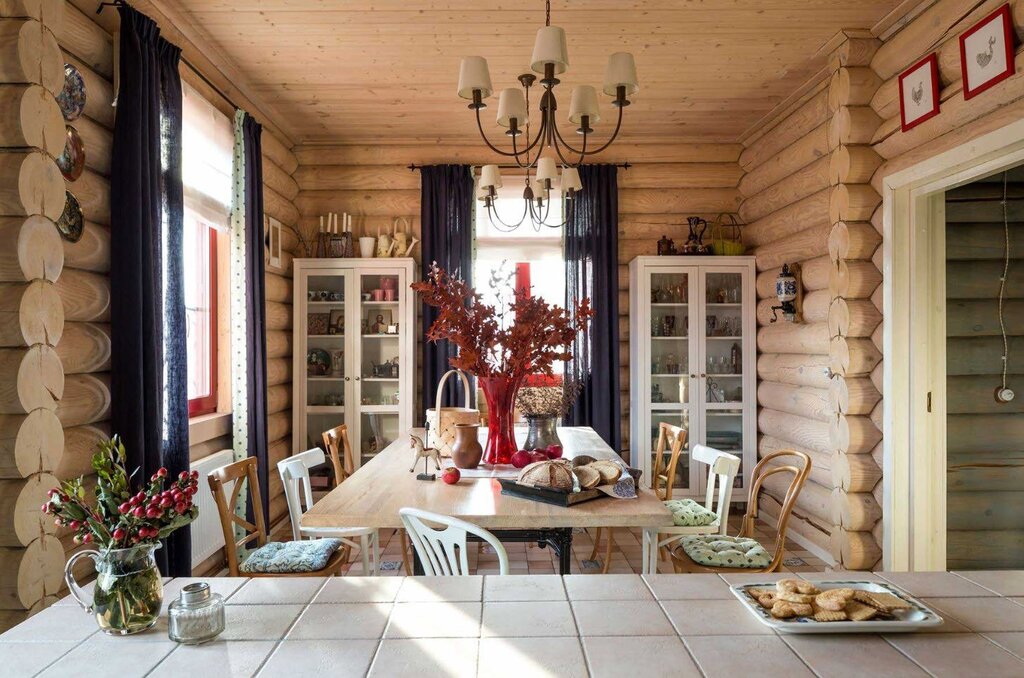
588,476
554,474
609,470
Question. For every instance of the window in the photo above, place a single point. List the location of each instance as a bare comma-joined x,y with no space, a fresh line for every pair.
534,257
207,150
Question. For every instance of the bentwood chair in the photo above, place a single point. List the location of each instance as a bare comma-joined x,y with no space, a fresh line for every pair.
298,492
743,553
673,438
443,551
340,452
317,558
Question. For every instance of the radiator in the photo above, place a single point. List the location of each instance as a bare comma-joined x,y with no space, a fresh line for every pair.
207,535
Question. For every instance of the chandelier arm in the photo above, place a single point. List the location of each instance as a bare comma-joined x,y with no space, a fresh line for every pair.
492,214
618,126
581,152
497,150
526,151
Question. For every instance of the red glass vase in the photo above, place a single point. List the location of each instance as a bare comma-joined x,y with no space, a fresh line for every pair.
500,393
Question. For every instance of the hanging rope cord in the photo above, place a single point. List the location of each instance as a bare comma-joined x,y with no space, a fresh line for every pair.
1003,280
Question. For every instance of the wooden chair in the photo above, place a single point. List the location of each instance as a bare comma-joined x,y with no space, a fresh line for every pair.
443,551
722,470
298,492
340,452
661,482
772,464
233,477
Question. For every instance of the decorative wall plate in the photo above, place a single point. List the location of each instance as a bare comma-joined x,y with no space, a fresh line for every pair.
72,160
71,222
72,98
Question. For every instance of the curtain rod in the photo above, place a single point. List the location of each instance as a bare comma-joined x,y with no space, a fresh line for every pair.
413,166
182,59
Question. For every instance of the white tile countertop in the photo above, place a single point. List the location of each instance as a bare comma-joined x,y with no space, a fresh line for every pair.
530,625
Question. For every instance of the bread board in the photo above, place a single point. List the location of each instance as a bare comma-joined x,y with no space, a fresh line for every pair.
547,495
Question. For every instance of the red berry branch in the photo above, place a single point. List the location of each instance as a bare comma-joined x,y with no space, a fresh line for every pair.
121,518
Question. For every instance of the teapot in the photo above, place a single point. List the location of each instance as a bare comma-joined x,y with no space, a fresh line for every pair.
695,240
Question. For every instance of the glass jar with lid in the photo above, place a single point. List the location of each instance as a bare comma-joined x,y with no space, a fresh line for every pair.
196,616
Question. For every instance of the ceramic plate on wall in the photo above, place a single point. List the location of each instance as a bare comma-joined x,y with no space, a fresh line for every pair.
72,98
72,160
71,222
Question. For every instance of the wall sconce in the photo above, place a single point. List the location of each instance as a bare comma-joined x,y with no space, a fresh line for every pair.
790,292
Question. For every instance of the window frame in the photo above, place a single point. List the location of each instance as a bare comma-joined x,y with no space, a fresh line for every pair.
207,404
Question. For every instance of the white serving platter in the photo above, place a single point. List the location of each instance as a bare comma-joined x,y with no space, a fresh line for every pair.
918,616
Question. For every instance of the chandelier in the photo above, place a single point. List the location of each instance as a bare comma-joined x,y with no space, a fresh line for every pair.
547,152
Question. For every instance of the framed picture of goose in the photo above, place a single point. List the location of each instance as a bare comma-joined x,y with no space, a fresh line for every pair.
919,92
986,52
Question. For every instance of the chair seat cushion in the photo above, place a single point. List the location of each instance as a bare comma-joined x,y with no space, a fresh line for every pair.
284,557
689,513
714,550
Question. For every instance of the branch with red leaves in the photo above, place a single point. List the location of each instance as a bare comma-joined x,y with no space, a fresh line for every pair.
538,335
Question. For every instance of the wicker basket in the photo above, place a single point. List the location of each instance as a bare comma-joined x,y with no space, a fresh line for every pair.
442,420
725,236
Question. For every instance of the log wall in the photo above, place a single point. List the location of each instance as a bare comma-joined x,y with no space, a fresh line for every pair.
806,201
985,462
937,29
666,183
54,312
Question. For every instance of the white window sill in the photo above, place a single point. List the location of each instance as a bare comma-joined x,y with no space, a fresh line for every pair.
208,427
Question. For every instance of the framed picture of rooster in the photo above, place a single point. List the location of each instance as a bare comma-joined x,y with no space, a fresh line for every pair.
986,52
919,92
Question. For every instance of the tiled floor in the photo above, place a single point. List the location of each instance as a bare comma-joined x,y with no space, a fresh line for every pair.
626,555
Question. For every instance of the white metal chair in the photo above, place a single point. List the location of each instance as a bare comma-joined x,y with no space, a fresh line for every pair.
298,493
443,551
722,470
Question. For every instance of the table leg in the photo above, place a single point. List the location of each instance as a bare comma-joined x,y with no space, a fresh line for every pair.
650,552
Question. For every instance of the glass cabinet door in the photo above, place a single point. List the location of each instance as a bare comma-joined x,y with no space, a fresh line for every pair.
326,377
381,298
670,370
723,375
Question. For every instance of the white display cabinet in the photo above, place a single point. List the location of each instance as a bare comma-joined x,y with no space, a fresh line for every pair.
353,352
693,361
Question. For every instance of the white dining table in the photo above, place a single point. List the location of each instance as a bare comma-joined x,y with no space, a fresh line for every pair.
374,494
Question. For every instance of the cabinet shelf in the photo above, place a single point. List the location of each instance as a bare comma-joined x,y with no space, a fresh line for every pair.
669,338
379,303
325,409
381,336
322,304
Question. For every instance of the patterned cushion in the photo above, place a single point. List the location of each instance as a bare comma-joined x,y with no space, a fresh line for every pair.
282,557
713,550
689,513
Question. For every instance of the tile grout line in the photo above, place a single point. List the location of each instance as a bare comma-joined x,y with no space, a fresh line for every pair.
277,643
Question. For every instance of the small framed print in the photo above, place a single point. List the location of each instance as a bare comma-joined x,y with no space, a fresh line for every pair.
317,323
986,52
919,92
336,324
273,242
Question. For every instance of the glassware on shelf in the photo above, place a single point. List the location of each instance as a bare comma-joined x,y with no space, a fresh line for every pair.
671,364
736,358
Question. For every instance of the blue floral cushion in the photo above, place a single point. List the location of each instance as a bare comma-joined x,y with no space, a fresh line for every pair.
281,557
689,513
715,550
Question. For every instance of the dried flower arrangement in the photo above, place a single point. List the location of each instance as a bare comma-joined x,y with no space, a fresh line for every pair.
538,335
537,401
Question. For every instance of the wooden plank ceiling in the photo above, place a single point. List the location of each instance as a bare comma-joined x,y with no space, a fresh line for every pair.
377,70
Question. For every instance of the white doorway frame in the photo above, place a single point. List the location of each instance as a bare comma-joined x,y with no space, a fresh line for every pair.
914,365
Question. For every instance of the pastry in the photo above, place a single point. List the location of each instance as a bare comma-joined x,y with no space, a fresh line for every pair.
796,586
834,599
859,611
883,602
786,610
799,598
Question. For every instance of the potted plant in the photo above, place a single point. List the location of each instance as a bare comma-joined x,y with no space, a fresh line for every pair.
124,527
500,346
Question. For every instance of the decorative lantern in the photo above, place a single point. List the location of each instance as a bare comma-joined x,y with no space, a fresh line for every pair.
787,289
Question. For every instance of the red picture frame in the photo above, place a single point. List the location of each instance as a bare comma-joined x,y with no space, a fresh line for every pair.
932,63
1002,14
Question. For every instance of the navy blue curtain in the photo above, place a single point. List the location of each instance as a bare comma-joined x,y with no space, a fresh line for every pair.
591,244
149,404
446,220
256,343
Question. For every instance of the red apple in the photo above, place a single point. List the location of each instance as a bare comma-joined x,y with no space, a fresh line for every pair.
554,451
450,475
521,459
539,455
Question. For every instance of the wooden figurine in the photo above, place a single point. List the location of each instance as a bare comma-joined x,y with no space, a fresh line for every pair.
425,453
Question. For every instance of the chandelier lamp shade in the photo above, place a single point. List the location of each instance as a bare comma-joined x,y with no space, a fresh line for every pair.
546,155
